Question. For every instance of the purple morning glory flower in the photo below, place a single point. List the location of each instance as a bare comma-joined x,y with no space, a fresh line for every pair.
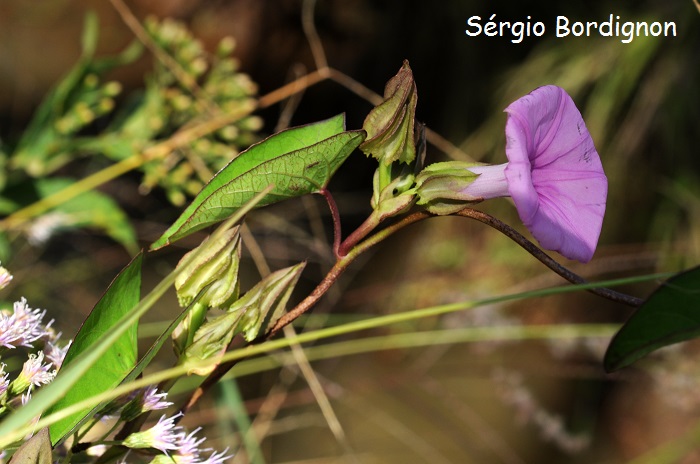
554,173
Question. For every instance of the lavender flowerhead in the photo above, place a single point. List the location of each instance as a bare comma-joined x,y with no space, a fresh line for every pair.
163,436
23,326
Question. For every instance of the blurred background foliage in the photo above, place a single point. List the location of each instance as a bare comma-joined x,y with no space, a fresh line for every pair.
77,99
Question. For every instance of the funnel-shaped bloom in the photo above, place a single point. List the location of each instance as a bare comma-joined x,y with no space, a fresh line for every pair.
554,174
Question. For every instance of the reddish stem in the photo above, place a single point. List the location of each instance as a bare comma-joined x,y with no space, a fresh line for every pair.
335,214
361,232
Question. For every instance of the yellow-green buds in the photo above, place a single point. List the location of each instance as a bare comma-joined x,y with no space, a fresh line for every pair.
210,341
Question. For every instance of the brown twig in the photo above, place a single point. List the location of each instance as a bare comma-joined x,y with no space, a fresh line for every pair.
187,81
309,26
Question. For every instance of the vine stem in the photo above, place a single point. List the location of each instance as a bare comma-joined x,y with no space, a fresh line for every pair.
335,214
545,259
361,232
344,261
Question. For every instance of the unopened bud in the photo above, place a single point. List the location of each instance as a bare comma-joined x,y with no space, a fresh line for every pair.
390,125
210,342
213,263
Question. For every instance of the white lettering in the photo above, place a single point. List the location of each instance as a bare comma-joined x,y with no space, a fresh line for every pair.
473,22
669,25
628,32
562,26
539,25
490,29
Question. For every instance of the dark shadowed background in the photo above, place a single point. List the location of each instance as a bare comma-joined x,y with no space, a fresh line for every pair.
488,402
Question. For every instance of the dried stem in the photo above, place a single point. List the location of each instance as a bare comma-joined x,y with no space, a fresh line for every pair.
309,26
168,61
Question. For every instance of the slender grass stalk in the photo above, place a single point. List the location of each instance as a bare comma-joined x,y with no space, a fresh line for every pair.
409,340
232,398
11,431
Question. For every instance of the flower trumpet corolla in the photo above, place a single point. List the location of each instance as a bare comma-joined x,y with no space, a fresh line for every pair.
553,174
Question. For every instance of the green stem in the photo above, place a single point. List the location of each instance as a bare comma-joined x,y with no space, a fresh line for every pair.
429,338
384,171
18,431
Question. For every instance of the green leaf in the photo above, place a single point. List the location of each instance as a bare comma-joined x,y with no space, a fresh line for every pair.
296,161
670,315
36,450
114,365
90,209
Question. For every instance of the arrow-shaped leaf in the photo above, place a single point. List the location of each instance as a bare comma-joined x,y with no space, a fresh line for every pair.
670,315
120,298
296,161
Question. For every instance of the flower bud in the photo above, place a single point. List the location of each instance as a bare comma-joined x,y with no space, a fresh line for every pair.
214,264
210,341
390,125
266,301
262,304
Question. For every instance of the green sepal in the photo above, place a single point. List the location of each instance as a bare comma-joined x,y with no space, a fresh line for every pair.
395,198
210,341
440,187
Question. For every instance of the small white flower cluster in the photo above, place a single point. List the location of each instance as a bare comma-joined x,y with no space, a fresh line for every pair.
167,437
23,327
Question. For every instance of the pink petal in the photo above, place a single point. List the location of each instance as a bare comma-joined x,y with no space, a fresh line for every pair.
554,173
